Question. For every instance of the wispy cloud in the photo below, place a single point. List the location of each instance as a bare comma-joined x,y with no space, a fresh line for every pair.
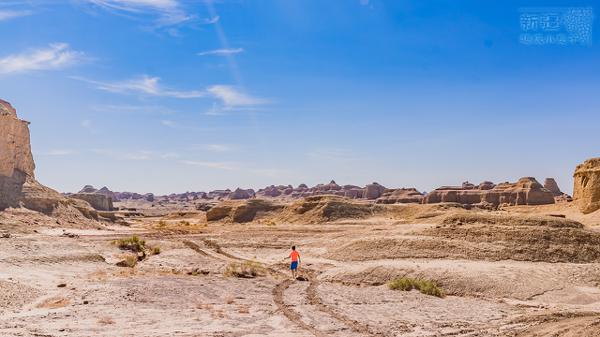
59,153
168,12
232,97
135,155
168,123
217,147
212,20
332,154
87,124
222,52
13,14
126,108
144,85
170,155
55,56
229,96
215,165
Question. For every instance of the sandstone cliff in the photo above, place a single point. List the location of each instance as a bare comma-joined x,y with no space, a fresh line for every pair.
18,187
16,161
587,185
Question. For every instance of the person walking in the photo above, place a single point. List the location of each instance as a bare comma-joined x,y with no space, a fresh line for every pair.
295,258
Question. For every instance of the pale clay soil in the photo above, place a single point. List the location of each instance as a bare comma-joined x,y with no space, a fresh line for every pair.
55,285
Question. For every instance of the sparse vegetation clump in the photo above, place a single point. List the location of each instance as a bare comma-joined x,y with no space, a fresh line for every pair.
134,244
137,246
246,269
426,287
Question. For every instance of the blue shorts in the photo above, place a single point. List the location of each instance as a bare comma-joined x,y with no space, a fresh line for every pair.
294,265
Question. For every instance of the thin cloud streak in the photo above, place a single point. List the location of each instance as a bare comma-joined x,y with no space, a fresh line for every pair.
6,15
232,97
212,20
222,52
144,85
215,165
56,56
169,12
59,153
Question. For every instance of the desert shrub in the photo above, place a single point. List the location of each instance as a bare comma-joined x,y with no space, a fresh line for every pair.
134,244
246,269
426,287
155,250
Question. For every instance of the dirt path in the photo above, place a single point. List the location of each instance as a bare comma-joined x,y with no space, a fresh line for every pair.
279,295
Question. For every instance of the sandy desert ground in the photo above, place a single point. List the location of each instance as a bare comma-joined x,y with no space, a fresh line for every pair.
511,272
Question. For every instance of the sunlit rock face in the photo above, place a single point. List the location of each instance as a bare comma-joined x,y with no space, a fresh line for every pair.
16,161
587,185
526,191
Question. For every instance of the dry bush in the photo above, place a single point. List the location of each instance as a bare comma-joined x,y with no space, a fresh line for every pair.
246,269
426,287
134,244
243,309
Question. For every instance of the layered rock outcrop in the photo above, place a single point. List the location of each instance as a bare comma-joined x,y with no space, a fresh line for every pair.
551,185
587,185
99,202
527,191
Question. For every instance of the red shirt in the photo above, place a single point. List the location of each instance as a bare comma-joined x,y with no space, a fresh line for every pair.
294,255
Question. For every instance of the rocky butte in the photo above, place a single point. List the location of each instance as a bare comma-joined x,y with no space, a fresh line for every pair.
587,185
16,161
18,187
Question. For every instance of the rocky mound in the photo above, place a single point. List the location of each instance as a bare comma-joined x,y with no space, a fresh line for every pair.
587,185
327,208
527,191
486,238
317,209
241,212
401,196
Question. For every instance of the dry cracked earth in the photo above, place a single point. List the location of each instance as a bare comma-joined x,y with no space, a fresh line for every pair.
58,281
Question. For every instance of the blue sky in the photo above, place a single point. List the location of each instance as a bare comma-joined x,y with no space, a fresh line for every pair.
170,96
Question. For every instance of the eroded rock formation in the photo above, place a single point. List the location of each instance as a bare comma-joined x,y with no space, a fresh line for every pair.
18,187
527,191
587,185
401,196
16,161
98,201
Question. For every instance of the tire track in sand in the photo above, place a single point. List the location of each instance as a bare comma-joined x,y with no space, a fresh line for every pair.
279,295
292,315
